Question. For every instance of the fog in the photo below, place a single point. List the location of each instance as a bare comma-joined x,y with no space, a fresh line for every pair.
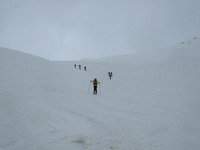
75,29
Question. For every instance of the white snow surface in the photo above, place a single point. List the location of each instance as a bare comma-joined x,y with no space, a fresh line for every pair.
150,104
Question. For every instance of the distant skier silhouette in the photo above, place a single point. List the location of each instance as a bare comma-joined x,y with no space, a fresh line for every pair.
110,75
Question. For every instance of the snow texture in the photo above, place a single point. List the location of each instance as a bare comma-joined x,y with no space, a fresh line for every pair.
150,104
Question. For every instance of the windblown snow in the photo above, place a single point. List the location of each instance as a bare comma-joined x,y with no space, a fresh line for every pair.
150,104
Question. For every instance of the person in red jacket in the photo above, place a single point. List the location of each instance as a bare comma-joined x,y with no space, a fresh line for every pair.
95,84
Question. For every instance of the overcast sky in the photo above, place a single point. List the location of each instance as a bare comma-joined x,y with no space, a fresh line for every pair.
80,29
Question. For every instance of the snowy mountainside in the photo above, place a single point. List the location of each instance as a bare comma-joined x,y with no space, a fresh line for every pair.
15,64
189,49
50,105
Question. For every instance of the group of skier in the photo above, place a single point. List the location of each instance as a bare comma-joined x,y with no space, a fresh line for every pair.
79,66
94,81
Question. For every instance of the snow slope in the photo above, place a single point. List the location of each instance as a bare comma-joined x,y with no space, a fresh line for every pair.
148,105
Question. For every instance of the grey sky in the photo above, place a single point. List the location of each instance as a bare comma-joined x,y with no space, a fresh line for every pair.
78,29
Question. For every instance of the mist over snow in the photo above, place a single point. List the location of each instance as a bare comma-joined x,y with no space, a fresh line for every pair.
90,29
151,103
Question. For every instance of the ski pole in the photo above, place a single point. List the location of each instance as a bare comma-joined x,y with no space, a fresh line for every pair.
100,87
89,86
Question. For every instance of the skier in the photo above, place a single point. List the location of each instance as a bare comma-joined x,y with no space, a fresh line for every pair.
95,83
85,68
110,75
74,65
79,66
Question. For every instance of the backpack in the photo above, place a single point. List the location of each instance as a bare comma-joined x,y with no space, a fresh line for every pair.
95,82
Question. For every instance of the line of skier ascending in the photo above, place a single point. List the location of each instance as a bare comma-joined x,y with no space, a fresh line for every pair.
79,66
94,81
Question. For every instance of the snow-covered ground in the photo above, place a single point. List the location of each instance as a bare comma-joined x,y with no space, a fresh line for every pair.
150,104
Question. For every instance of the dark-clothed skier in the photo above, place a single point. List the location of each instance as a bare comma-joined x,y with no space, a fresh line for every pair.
95,84
110,75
